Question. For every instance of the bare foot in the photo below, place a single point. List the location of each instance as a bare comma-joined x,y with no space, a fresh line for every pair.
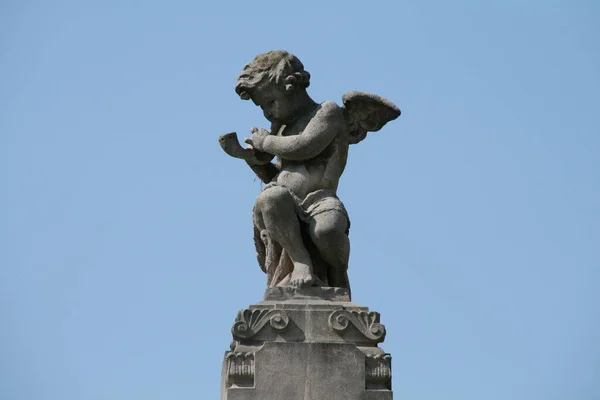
302,276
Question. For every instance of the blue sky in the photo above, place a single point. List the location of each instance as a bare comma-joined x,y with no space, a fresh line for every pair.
125,233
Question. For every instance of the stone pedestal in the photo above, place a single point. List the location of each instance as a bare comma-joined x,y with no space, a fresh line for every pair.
306,344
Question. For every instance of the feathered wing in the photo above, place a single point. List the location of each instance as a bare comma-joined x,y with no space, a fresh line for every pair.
367,112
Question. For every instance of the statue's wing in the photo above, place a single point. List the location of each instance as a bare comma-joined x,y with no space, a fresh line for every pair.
367,112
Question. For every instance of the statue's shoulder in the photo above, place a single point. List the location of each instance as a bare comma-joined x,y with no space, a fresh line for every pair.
330,106
331,111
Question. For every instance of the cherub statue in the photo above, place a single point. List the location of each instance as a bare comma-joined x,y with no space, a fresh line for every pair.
300,225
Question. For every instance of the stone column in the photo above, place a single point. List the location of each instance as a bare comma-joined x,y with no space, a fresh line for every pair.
306,344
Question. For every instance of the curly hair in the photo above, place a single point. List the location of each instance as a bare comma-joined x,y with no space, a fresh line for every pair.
278,66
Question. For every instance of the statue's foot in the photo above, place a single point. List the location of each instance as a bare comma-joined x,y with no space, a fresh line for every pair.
302,276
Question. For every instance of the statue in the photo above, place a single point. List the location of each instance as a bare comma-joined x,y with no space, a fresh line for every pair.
300,225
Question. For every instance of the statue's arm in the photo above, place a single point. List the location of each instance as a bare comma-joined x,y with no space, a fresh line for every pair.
265,172
317,135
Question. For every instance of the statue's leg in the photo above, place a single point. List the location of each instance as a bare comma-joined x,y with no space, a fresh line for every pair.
275,211
329,232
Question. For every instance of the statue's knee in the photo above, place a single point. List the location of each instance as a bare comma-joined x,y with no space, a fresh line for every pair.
330,232
273,199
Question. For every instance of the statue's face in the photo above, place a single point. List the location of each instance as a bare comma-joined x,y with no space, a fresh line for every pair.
277,105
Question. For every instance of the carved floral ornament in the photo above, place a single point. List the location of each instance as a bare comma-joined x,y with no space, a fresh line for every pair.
366,323
249,322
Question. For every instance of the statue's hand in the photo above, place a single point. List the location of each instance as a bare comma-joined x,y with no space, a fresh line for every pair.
229,143
257,139
260,157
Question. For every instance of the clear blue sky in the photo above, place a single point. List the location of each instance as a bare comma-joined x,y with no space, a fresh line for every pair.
125,232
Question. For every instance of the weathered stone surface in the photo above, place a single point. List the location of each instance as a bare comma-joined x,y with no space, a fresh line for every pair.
378,371
301,227
317,371
305,340
317,349
283,293
240,369
250,322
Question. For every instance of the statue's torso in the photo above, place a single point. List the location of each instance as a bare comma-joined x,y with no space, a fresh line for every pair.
320,172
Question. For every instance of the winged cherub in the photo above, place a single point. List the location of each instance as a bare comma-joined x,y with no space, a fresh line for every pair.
300,225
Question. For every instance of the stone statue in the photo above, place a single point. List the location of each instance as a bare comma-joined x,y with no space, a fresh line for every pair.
303,342
300,225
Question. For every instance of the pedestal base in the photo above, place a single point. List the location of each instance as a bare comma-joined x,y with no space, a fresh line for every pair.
311,344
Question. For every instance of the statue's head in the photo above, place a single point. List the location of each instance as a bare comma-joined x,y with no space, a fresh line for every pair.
273,81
